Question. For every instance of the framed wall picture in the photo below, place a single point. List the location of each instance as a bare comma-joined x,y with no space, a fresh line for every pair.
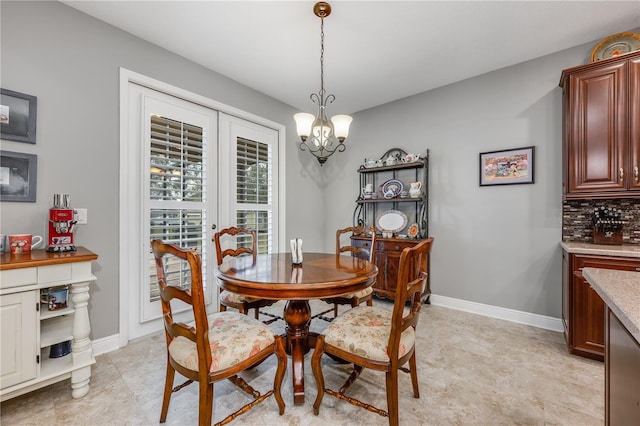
18,176
17,116
507,167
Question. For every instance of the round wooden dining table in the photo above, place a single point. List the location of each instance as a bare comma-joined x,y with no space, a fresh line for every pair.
273,276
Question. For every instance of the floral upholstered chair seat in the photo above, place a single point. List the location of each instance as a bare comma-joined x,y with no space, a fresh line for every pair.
365,331
233,338
359,294
229,297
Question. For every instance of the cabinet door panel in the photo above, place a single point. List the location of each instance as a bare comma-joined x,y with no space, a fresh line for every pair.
622,388
597,129
634,125
18,345
586,308
589,314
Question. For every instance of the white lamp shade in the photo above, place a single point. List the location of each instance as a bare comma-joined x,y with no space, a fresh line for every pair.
341,125
304,120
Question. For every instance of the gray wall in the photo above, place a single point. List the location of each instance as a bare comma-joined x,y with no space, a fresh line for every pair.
71,62
493,245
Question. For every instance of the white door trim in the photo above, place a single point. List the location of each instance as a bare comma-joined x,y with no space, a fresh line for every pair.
128,253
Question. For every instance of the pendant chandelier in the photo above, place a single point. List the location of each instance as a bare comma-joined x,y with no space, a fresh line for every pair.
320,136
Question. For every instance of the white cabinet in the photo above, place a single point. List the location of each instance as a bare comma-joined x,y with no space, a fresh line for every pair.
18,337
29,329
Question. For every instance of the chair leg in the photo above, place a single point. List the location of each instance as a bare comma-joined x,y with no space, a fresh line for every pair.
257,314
317,373
168,386
392,396
370,301
335,310
414,375
205,403
282,368
222,308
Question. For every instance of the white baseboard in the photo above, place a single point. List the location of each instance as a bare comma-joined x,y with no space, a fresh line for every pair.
111,343
105,344
520,317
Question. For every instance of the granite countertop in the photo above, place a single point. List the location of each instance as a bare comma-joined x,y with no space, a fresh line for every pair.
620,290
630,250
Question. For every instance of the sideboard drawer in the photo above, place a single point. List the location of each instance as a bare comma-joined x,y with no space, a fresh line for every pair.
54,273
18,277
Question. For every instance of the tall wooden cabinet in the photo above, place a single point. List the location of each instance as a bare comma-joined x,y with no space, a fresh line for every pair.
583,311
601,128
29,329
388,250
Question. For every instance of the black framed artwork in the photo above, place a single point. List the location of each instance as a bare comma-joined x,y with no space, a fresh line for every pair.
507,167
17,116
18,176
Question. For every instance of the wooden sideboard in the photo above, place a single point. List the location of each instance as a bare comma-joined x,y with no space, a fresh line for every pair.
387,259
30,329
369,208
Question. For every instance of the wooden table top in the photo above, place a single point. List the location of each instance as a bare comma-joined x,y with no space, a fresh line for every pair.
274,277
42,258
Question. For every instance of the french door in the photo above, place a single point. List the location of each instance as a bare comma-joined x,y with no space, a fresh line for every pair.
188,168
178,194
250,187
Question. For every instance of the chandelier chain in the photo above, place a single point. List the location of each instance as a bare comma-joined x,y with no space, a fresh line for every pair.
322,58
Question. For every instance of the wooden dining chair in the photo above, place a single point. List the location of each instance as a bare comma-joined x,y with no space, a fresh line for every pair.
362,296
211,348
377,338
243,242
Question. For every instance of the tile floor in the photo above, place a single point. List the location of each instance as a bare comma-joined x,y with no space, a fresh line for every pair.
473,370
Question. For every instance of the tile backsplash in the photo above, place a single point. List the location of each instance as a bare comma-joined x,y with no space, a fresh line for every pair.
578,227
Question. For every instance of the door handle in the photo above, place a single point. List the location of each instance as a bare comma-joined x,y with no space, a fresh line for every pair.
213,226
635,173
621,174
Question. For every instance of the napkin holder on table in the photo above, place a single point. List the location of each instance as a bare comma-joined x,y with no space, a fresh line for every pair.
296,252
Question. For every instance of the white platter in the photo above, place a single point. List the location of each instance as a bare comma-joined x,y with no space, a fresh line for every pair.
391,221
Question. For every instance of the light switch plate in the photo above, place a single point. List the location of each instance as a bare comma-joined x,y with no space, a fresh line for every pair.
81,216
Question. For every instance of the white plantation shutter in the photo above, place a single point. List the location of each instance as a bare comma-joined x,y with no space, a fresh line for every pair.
177,194
254,192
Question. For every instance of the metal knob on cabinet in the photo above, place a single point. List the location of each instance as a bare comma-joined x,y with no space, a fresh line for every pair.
621,173
635,173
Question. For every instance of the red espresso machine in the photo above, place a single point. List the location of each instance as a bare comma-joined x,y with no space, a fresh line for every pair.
61,223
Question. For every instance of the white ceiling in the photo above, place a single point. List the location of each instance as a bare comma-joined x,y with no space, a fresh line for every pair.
375,51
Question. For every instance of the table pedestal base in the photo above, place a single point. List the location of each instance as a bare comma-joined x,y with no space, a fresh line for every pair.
297,314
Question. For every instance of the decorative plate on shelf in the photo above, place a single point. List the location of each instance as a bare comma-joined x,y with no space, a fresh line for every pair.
615,45
391,221
391,186
413,231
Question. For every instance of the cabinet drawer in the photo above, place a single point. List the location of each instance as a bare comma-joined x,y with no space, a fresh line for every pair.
361,243
394,245
18,277
619,263
54,273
